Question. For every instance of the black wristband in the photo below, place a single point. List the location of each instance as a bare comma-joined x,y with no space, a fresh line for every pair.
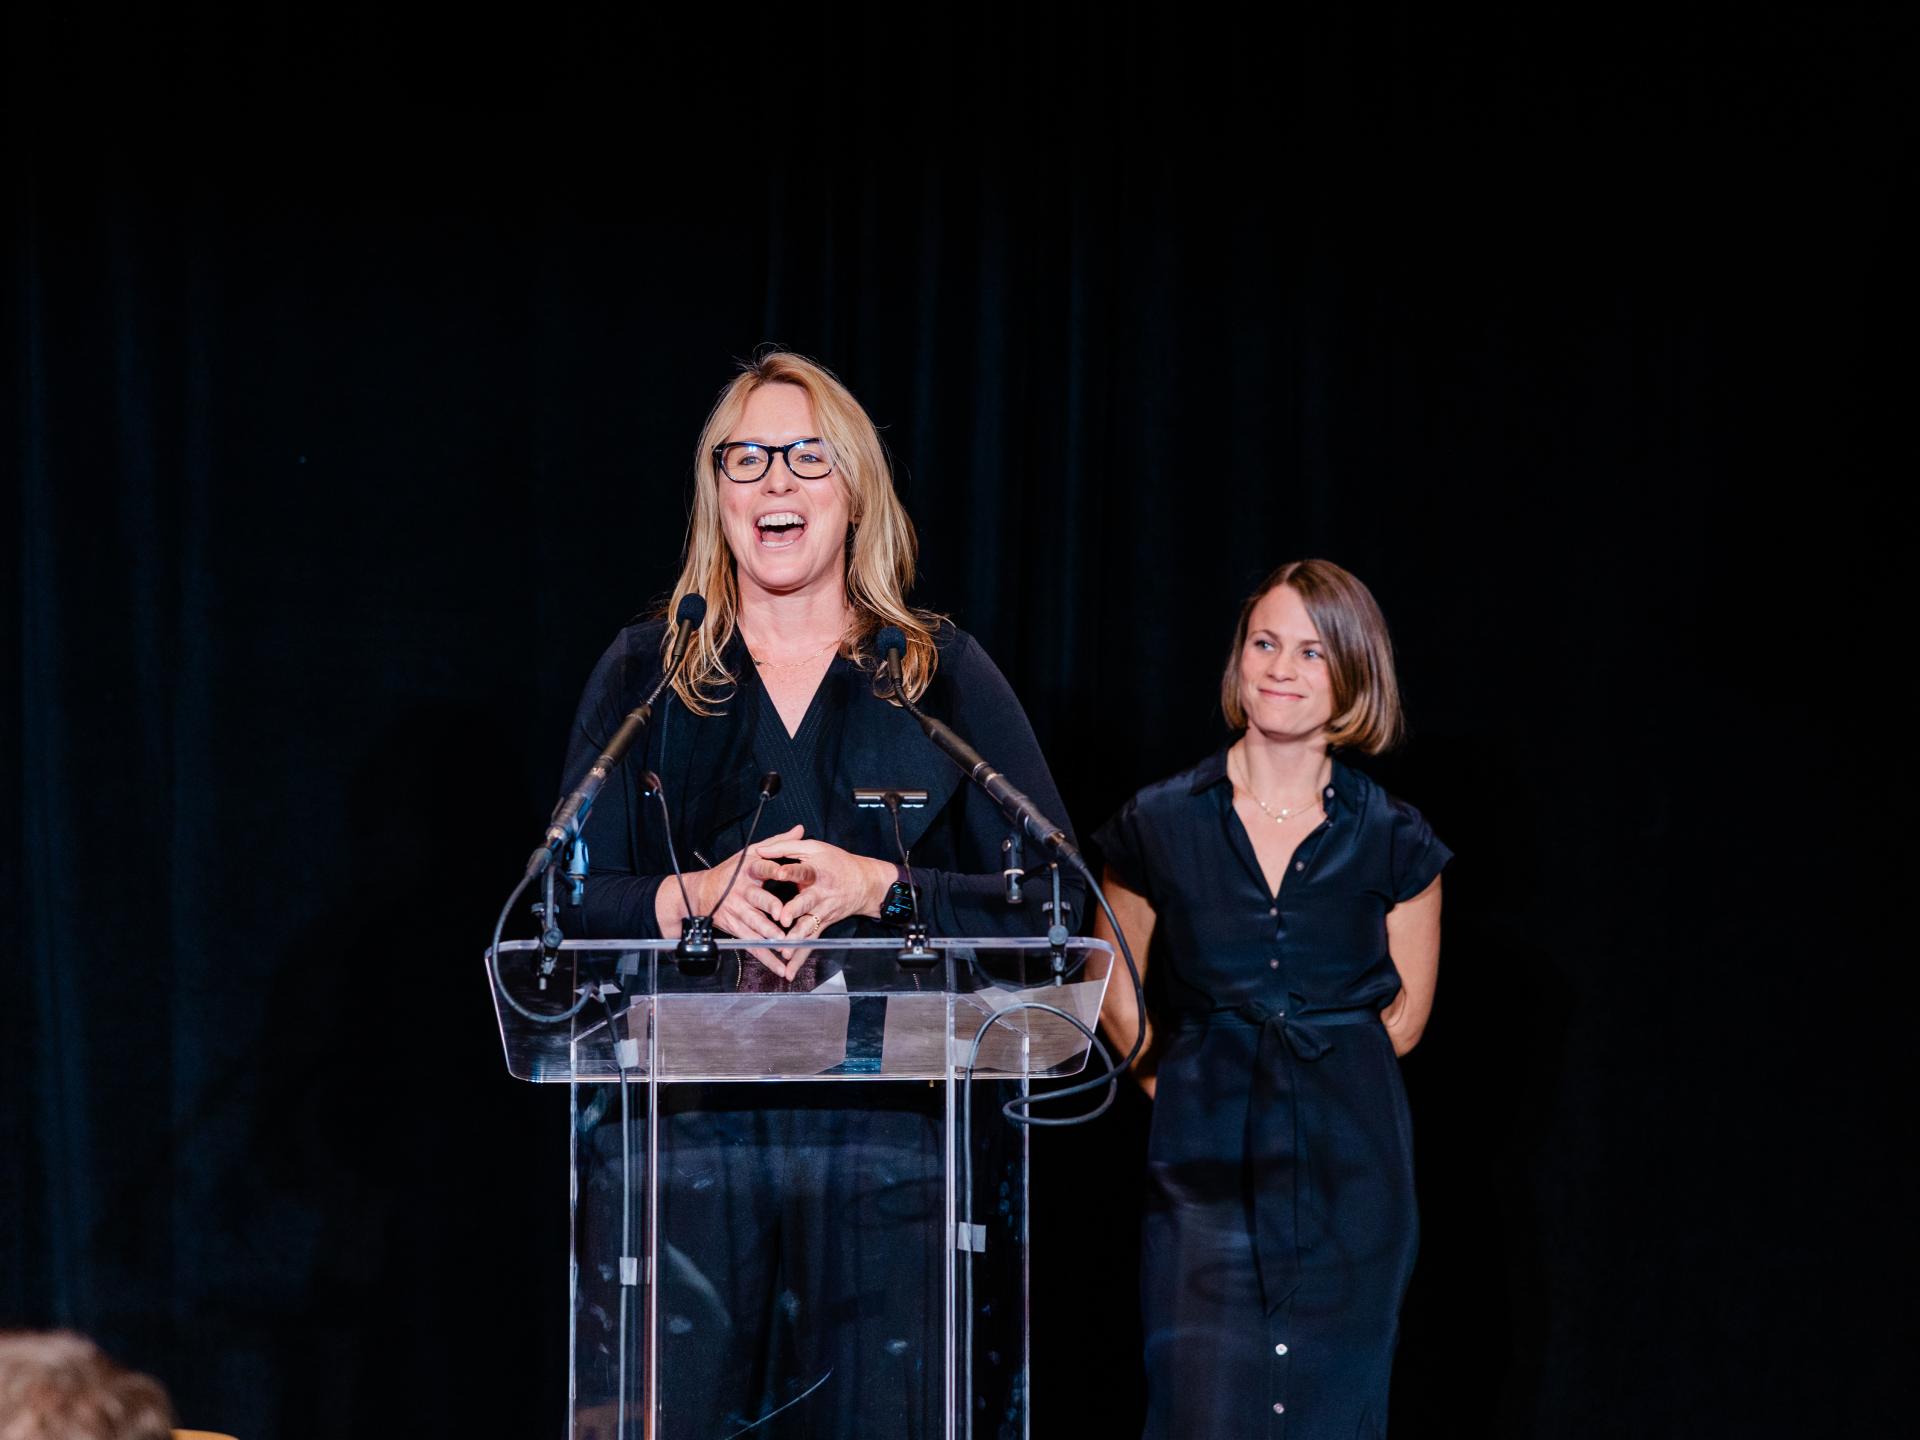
897,908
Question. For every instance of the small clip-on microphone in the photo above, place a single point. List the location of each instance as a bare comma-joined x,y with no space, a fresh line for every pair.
697,954
916,953
1014,871
696,949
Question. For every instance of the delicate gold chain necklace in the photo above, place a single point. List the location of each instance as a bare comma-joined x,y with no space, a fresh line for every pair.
795,664
1279,817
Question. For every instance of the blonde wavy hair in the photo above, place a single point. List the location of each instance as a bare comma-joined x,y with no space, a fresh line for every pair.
880,548
1366,690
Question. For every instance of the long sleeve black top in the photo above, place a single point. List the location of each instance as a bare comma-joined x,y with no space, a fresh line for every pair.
711,767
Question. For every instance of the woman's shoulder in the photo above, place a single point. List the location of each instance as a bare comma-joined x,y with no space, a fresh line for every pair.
1154,833
643,634
636,648
1392,830
631,659
963,660
1367,797
1178,790
952,643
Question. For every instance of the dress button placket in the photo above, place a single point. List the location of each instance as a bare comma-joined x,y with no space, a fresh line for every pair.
1280,1359
1277,1364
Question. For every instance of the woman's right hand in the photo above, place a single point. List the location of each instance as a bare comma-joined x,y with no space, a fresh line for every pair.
749,908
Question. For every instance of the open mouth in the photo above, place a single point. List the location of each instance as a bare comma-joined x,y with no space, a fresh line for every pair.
780,529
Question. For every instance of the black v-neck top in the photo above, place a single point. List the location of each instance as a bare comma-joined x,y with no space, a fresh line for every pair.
793,757
711,767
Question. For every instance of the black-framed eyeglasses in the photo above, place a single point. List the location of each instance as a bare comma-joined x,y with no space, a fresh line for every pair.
745,463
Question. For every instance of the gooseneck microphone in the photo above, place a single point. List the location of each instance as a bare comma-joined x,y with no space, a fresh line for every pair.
651,788
564,828
769,787
915,953
696,953
889,684
891,643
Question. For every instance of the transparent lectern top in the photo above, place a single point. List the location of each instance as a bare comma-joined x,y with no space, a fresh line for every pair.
995,1008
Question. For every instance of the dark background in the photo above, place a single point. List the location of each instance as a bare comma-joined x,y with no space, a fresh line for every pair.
353,370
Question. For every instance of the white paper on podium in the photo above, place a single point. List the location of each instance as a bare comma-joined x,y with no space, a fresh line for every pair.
723,1037
1028,1042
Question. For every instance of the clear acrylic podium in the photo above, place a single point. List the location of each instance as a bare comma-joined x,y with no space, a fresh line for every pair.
800,1213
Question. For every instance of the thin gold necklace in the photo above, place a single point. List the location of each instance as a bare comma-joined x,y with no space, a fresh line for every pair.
795,664
1281,816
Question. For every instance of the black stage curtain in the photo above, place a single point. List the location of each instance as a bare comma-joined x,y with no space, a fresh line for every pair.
341,444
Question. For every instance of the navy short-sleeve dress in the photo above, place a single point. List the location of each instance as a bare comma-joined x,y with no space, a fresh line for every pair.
1280,1223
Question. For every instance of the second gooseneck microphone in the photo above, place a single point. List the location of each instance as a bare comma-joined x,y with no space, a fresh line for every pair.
696,952
564,828
891,645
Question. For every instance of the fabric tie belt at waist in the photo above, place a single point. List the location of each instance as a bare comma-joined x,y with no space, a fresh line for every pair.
1279,1126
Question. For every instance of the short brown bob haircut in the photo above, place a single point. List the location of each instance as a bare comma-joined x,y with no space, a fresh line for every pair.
1366,693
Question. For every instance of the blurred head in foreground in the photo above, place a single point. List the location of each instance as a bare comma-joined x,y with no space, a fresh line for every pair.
60,1386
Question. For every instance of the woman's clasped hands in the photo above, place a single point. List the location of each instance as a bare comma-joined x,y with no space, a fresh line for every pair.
831,885
748,908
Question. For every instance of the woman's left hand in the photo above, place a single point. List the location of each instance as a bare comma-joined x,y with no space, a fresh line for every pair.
834,884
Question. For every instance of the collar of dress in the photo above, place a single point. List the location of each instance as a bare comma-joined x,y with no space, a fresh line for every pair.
1213,771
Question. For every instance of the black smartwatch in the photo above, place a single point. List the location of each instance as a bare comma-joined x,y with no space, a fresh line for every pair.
897,908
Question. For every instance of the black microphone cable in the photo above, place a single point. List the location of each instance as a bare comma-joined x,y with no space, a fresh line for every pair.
652,788
626,1059
571,814
1018,1110
696,953
538,1017
890,643
769,787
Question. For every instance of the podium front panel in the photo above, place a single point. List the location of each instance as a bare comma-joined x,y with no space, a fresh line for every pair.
796,1215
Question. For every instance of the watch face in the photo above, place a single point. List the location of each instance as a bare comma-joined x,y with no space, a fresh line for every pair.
897,908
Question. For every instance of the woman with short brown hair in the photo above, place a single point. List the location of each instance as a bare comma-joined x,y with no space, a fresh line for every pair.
1292,907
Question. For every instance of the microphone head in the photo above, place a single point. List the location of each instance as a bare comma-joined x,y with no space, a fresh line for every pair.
770,784
888,645
693,609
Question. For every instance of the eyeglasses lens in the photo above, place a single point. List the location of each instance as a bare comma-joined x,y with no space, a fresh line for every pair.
809,460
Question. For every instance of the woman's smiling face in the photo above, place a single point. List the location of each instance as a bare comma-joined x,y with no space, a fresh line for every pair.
1286,683
788,534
